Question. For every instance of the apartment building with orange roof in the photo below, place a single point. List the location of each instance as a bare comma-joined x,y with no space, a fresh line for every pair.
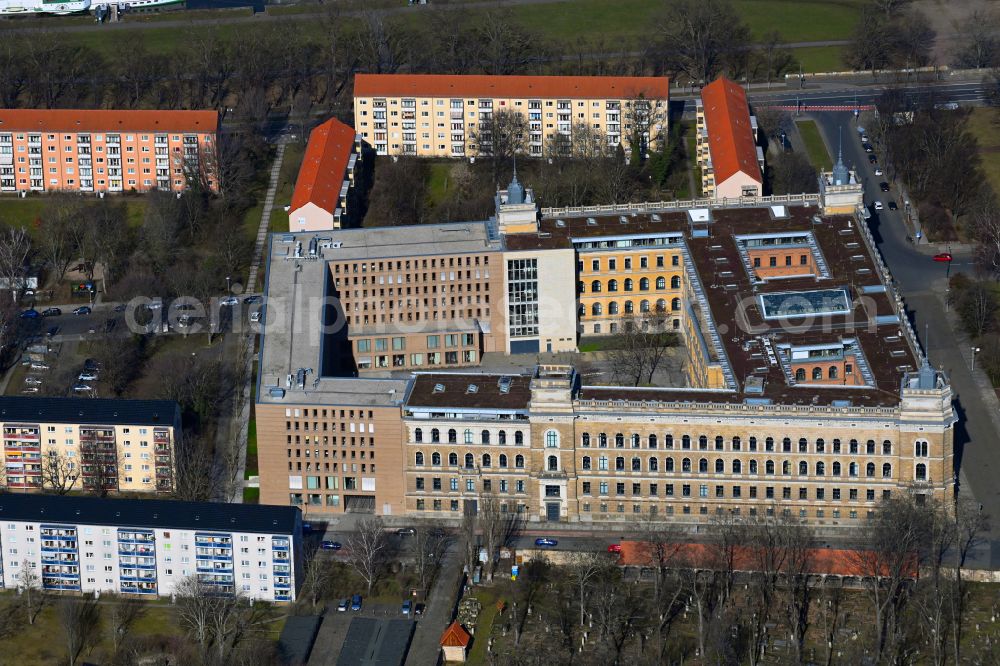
430,115
107,150
731,162
323,197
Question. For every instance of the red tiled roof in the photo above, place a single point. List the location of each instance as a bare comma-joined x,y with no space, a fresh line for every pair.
108,120
478,85
830,561
730,137
324,165
455,636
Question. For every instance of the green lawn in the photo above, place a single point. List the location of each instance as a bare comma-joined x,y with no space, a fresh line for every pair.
800,20
251,495
286,185
251,449
818,154
821,58
691,139
27,212
437,181
484,625
983,123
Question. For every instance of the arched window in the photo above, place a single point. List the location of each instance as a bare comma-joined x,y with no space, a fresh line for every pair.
820,445
720,466
886,471
518,438
769,444
652,442
921,472
832,373
620,464
602,440
553,463
467,435
585,463
612,285
703,465
702,443
661,305
854,446
485,436
870,447
803,468
551,439
853,469
470,461
870,469
786,444
737,467
920,448
644,305
629,308
502,437
419,458
736,443
612,308
800,375
453,459
675,282
519,461
636,465
686,465
619,441
675,304
644,284
596,309
585,440
602,463
503,459
595,286
769,467
786,467
435,435
452,436
753,466
418,435
817,373
628,284
836,468
886,448
636,440
668,464
654,465
686,442
803,445
661,283
820,468
435,458
719,442
487,460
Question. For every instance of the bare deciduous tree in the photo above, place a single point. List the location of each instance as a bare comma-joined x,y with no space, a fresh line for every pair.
501,136
367,548
316,578
123,613
498,526
640,345
584,569
33,595
219,623
80,619
700,37
427,546
59,474
15,249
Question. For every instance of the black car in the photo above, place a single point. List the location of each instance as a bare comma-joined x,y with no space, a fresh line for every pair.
893,206
51,312
52,331
868,147
82,310
884,186
872,159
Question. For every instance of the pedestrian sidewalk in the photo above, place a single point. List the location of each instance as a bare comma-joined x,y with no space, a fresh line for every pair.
425,648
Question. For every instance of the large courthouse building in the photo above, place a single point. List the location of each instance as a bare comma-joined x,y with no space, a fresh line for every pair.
413,370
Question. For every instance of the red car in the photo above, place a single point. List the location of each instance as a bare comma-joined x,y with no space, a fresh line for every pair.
944,256
615,548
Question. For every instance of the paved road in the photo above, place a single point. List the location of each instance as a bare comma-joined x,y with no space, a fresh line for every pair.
922,282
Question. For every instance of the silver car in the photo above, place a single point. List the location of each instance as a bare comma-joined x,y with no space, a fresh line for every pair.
33,381
87,376
82,387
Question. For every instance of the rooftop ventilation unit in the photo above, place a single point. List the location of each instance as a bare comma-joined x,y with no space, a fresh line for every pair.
472,389
439,388
591,222
561,223
300,377
656,217
277,392
623,219
504,384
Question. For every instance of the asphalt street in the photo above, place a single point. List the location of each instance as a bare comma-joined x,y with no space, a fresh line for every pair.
921,282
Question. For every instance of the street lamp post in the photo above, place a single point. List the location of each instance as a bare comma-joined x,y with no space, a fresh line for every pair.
975,350
228,279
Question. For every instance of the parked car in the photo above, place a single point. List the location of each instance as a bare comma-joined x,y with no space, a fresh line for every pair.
38,365
878,205
343,605
356,602
407,607
255,316
29,314
87,376
405,531
80,388
944,256
884,186
615,548
250,300
868,147
872,159
546,542
893,206
30,389
229,301
51,312
330,545
878,171
52,331
91,364
864,138
33,381
82,310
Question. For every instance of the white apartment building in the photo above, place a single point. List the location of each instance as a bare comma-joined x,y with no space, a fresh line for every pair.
146,547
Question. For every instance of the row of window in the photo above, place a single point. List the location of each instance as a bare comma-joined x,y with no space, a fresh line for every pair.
629,285
653,465
595,266
597,309
652,441
469,460
735,492
485,437
470,485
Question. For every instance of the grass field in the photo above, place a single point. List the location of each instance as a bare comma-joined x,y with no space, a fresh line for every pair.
27,212
437,181
821,58
251,449
818,154
286,185
984,123
484,624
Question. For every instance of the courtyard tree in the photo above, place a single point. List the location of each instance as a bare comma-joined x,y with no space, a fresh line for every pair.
318,574
585,569
640,344
59,474
367,550
701,38
15,251
80,619
34,598
123,613
498,527
427,547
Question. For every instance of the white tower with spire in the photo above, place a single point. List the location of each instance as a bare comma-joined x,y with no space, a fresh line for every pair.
840,190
